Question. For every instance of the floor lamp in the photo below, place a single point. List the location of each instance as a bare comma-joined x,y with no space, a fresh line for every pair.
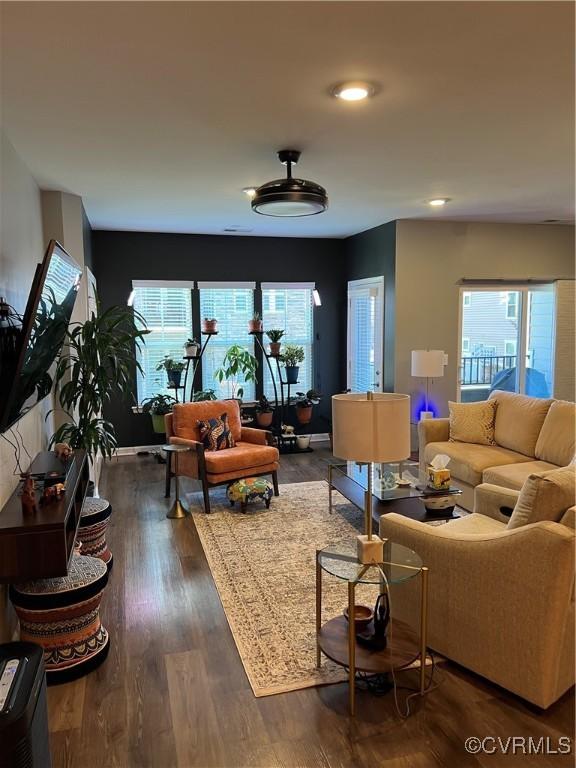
427,364
371,427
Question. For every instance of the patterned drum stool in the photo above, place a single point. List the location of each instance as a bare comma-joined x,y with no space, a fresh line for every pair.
62,615
94,520
249,489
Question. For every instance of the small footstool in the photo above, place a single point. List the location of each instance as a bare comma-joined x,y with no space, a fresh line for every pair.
94,520
62,614
249,489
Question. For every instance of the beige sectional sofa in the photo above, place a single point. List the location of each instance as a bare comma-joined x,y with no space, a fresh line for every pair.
532,435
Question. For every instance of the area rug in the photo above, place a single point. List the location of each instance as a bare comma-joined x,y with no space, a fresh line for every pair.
263,565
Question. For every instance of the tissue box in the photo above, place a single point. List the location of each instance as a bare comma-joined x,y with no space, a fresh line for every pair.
439,479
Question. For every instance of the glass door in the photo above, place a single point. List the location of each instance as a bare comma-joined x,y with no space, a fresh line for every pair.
365,334
506,341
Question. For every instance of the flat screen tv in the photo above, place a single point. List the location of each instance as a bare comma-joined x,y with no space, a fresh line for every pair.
28,378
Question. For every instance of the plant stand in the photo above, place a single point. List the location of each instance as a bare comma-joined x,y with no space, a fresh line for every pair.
194,361
286,443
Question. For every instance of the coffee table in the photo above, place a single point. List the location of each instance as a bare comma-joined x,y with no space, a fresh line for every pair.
351,480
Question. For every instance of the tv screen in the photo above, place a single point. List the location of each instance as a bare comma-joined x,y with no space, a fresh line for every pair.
44,327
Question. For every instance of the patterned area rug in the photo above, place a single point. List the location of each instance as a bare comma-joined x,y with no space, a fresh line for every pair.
263,564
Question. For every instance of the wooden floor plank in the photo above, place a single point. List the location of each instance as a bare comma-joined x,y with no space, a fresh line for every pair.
173,691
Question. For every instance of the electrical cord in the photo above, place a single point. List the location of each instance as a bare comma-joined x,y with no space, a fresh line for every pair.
21,440
16,449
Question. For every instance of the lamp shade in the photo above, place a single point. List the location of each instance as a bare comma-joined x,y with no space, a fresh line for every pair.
428,363
375,428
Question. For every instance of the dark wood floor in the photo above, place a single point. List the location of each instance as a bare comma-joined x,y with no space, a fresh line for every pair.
173,690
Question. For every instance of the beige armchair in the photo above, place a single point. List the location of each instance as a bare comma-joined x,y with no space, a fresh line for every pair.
501,599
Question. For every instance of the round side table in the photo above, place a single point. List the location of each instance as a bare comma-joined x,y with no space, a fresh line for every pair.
178,510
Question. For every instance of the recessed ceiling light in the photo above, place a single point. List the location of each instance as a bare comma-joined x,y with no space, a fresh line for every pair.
437,202
353,91
249,191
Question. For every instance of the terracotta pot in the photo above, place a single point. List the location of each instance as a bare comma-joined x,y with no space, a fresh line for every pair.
209,326
264,419
255,326
304,415
275,348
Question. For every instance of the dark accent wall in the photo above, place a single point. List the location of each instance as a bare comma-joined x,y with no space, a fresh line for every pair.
371,254
120,257
87,240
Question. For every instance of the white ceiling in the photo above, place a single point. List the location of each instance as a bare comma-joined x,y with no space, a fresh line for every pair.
158,114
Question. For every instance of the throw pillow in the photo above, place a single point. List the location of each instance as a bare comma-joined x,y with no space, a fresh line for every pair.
215,433
545,496
472,422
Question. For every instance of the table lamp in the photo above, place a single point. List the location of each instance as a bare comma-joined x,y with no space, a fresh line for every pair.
371,427
427,364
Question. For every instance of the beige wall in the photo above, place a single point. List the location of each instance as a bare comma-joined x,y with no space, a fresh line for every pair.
431,257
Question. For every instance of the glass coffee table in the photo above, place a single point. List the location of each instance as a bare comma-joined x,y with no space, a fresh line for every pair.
396,488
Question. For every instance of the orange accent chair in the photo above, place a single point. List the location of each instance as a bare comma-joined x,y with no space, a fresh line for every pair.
252,455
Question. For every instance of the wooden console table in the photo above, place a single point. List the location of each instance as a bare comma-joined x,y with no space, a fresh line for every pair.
40,544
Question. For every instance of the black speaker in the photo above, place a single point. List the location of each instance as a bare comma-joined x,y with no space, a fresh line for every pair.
23,713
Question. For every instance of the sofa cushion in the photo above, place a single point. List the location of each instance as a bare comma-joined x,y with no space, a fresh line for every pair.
185,417
557,442
242,456
474,523
519,419
514,475
545,496
472,422
468,461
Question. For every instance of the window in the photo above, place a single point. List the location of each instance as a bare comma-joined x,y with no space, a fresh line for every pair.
466,299
465,346
167,310
289,306
510,347
512,305
232,304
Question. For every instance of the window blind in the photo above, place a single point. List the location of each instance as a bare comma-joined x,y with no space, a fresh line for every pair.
291,309
232,307
168,316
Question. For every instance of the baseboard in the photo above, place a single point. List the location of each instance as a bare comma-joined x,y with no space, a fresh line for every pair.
134,449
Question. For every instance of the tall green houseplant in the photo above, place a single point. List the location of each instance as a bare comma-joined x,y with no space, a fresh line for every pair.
97,366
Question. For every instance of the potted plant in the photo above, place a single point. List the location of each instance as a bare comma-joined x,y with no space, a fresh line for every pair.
203,394
264,412
255,325
192,347
97,366
304,403
158,406
275,335
209,325
292,356
238,364
173,370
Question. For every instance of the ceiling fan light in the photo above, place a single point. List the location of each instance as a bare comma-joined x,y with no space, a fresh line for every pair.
289,197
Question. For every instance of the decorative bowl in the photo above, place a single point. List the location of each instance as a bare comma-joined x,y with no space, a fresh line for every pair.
363,615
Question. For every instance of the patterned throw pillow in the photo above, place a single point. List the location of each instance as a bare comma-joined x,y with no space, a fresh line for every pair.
215,433
472,422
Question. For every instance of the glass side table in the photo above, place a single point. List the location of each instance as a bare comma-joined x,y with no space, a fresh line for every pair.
336,639
178,510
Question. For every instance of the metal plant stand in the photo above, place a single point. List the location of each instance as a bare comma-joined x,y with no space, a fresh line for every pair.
194,362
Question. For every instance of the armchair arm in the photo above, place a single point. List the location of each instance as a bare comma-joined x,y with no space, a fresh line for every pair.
489,499
569,518
196,444
431,431
256,436
192,463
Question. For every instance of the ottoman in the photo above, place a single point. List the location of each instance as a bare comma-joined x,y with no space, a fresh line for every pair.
94,520
62,615
250,489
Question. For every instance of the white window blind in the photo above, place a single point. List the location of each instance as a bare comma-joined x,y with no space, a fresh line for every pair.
168,315
364,328
290,308
232,307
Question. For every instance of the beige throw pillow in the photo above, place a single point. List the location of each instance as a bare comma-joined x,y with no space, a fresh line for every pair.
545,496
557,439
472,422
